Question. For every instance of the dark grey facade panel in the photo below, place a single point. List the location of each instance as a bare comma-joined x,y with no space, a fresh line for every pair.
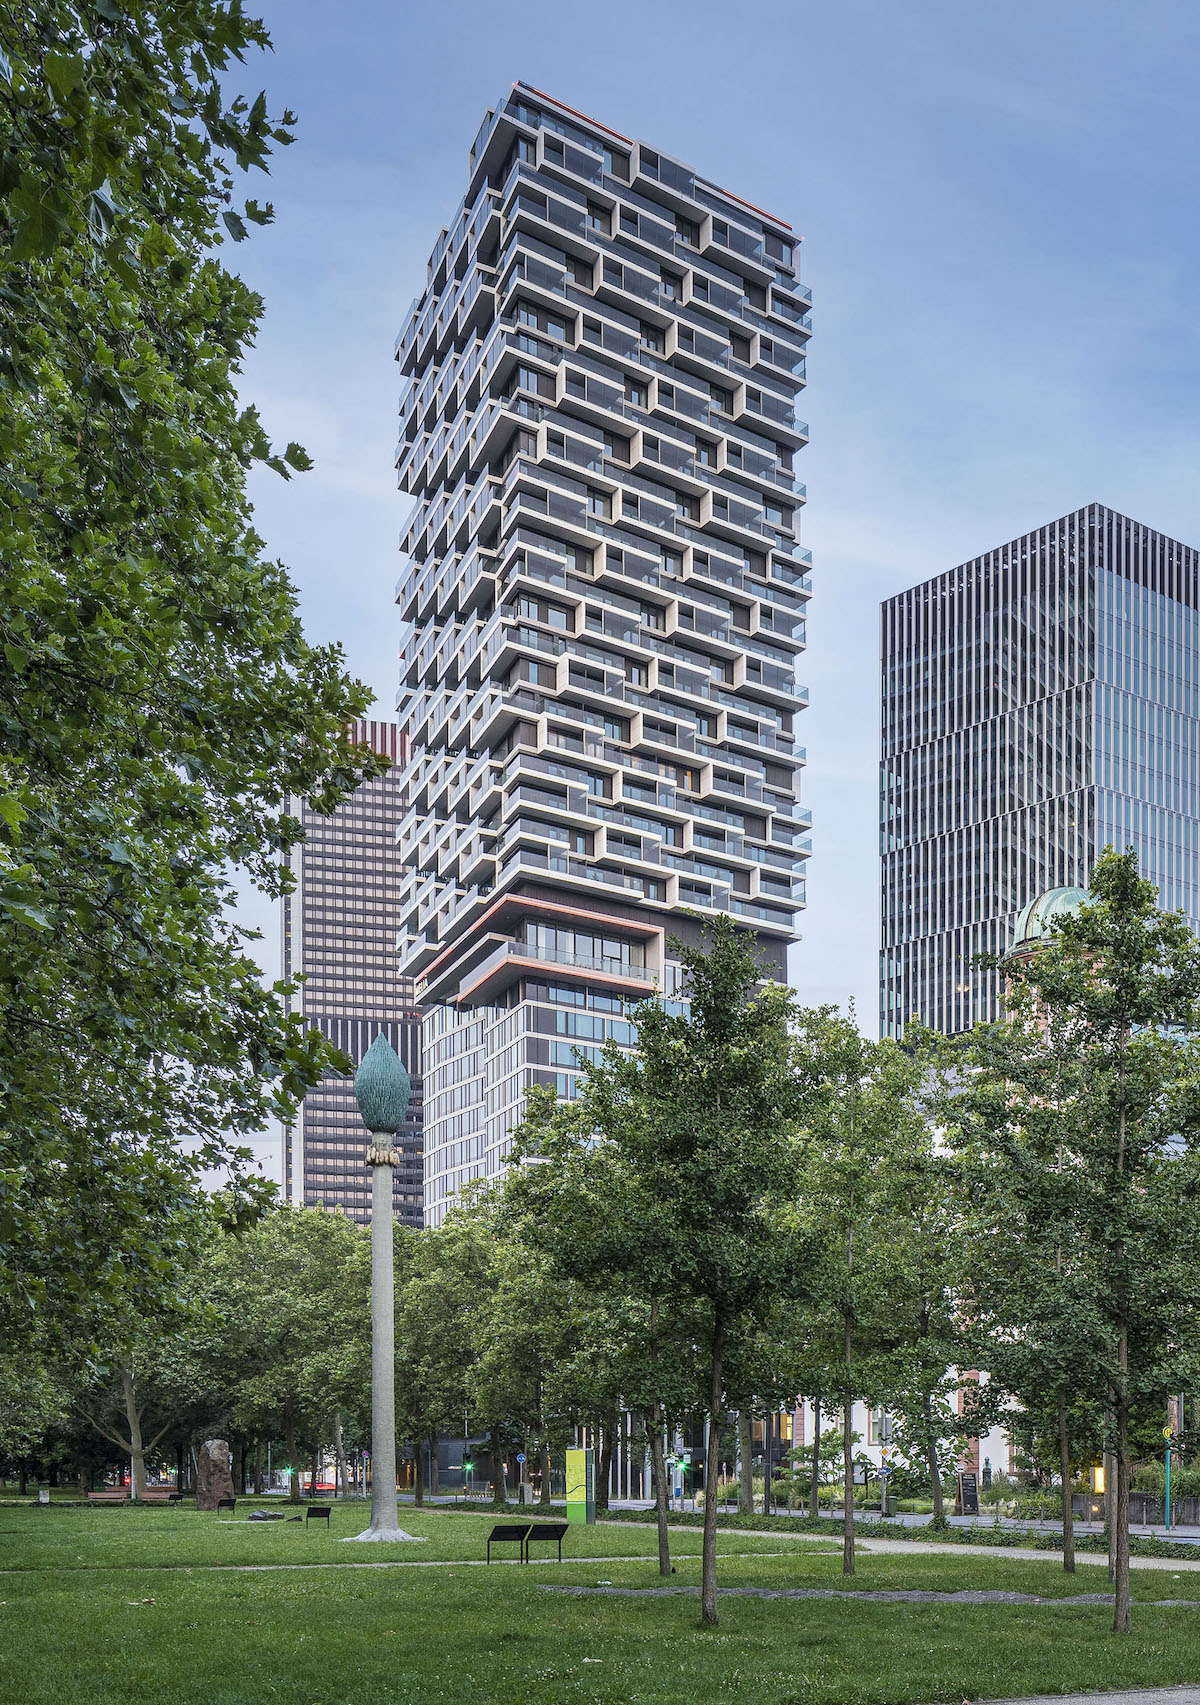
1039,702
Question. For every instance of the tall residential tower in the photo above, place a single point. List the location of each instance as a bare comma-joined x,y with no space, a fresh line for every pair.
1039,703
603,597
339,931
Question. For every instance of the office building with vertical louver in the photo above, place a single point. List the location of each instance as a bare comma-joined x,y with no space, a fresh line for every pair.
1039,703
603,598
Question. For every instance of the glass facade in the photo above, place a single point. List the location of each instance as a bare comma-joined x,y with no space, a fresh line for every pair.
603,596
1038,704
339,932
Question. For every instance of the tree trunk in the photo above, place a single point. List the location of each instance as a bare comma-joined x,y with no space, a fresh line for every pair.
292,1449
339,1457
418,1474
22,1477
133,1419
434,1479
1064,1468
745,1463
768,1455
847,1477
608,1434
499,1478
658,1462
243,1455
712,1468
931,1459
314,1474
544,1490
1122,1604
814,1490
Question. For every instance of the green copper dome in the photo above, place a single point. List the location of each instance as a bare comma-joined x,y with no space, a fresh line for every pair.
1036,919
381,1087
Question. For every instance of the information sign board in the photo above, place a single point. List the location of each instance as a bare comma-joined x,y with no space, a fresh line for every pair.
968,1494
581,1486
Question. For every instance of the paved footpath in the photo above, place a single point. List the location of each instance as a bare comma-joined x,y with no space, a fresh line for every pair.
1126,1696
926,1547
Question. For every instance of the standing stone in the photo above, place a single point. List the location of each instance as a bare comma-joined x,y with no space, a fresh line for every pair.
213,1478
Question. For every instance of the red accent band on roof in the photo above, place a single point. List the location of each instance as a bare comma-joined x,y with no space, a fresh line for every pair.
629,142
575,112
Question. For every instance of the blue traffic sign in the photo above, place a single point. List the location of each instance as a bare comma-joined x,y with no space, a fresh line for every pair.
520,1456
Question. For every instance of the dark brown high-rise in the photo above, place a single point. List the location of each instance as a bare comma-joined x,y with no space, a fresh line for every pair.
339,932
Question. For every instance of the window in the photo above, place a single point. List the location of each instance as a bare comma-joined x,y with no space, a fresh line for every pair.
653,617
636,393
651,448
592,331
616,165
720,399
599,219
687,231
600,787
527,314
699,287
599,503
553,149
629,222
774,513
615,728
720,231
672,564
666,395
766,349
740,347
707,725
637,674
706,452
651,337
613,274
526,150
556,444
778,249
672,287
629,504
756,295
579,271
615,448
687,507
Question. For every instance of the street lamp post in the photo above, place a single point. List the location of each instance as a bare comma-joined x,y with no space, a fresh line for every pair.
381,1088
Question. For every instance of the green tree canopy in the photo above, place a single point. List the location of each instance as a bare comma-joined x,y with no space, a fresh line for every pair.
1080,1113
158,700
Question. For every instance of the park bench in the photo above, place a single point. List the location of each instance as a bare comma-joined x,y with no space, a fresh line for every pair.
111,1495
315,1513
162,1495
508,1533
229,1504
548,1533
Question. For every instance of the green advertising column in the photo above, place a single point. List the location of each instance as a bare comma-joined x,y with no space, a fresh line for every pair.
581,1485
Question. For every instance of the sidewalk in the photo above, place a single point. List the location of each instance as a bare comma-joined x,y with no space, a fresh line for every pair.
1126,1696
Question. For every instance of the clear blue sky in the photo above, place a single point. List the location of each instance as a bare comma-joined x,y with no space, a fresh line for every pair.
999,202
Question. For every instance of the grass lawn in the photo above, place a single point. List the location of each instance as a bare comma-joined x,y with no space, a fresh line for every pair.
116,1605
